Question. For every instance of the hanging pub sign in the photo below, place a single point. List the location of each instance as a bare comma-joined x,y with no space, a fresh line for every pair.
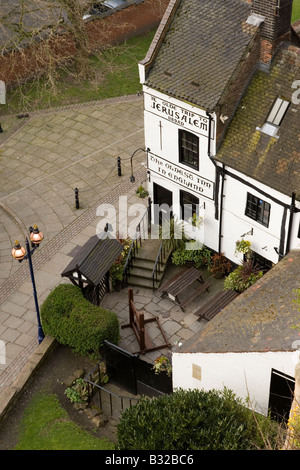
178,115
181,176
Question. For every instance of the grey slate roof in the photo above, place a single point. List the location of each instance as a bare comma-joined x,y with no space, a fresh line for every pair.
260,319
204,44
270,160
94,259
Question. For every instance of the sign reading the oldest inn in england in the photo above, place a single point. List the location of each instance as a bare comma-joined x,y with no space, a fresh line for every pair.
181,176
178,115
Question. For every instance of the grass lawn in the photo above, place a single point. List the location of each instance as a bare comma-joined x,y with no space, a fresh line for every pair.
46,426
114,73
296,10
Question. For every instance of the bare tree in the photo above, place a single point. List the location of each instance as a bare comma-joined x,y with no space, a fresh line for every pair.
45,38
37,36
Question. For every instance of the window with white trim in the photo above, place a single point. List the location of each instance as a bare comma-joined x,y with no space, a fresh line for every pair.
188,149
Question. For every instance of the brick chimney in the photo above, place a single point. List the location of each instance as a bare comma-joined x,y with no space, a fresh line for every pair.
276,26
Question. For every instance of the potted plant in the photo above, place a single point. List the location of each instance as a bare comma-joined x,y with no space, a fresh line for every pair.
243,277
220,266
162,364
142,192
243,246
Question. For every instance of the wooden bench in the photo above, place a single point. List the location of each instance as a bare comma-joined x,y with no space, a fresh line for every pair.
216,304
199,291
180,283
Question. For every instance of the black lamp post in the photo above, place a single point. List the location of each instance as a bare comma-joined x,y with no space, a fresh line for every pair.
132,178
19,253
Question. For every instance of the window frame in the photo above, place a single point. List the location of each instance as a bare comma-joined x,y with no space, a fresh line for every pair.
185,194
188,156
256,209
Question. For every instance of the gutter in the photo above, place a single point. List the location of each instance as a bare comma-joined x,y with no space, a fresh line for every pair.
158,38
293,210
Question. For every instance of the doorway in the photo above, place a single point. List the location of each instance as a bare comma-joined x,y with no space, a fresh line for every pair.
281,395
163,201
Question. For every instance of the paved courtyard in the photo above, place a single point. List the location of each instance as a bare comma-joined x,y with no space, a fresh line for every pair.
43,158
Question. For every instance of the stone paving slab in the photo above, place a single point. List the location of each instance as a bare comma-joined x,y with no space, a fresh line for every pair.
49,154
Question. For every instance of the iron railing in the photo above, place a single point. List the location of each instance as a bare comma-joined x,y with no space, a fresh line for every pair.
96,389
158,264
141,230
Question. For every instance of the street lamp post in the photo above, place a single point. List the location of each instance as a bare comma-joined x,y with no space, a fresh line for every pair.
132,177
19,253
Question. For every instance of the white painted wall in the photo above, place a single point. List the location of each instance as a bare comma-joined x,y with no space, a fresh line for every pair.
246,374
162,115
161,137
235,222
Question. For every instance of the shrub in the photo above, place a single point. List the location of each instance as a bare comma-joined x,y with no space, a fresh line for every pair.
193,420
243,277
116,270
198,257
220,265
74,321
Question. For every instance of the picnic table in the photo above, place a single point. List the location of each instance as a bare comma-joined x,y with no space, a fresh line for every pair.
180,283
216,304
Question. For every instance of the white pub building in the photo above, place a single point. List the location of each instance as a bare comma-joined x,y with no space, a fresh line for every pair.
222,122
221,84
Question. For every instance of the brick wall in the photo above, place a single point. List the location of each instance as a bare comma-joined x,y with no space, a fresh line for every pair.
277,24
113,29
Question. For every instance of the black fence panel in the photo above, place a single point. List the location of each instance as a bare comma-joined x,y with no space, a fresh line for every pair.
120,367
133,374
149,383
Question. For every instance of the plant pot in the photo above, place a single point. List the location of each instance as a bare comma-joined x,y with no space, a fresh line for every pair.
218,275
118,285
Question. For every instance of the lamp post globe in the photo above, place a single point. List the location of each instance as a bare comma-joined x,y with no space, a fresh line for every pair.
36,237
18,251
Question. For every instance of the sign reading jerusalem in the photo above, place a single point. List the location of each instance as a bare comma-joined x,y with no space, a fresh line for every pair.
178,115
181,176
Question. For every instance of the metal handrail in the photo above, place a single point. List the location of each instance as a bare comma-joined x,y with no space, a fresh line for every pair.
134,247
157,264
111,394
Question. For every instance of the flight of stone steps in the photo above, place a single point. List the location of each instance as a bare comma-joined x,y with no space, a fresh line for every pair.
143,265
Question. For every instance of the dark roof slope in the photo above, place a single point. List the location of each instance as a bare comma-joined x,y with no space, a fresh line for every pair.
202,48
270,160
95,258
261,319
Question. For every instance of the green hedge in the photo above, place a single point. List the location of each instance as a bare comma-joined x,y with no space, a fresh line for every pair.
194,420
74,321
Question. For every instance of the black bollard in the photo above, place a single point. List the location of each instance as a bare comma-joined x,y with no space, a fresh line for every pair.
76,198
1,130
119,167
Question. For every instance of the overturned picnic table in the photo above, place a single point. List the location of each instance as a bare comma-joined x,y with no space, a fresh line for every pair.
180,283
